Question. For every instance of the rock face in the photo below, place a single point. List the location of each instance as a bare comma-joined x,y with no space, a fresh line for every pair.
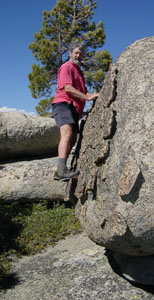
30,180
75,269
22,135
116,160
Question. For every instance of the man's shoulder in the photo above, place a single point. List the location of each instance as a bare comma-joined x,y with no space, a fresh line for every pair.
65,65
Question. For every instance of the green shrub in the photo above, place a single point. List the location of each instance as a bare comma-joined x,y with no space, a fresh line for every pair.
29,228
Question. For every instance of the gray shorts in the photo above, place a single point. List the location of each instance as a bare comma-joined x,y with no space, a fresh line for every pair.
65,113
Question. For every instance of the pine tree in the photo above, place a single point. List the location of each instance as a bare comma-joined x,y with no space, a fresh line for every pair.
66,22
44,107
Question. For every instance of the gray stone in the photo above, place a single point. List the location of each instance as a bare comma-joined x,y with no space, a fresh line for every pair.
115,187
31,180
75,269
23,135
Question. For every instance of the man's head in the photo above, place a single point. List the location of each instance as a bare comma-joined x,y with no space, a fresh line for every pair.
75,52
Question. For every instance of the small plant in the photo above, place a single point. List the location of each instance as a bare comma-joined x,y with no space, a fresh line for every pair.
29,228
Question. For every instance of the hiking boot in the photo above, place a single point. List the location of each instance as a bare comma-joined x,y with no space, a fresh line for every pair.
65,175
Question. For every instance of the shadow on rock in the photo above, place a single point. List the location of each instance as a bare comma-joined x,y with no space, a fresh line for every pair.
115,267
10,229
9,281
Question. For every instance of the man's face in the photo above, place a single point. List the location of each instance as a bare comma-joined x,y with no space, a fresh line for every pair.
76,56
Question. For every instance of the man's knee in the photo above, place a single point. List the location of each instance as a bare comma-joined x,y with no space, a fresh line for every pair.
66,132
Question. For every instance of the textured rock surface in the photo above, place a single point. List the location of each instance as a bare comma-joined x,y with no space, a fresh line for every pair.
75,269
30,181
115,185
22,135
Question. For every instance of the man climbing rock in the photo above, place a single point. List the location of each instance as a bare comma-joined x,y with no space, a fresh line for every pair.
68,106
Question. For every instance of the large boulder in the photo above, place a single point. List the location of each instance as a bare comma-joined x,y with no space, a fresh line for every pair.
24,135
30,181
116,161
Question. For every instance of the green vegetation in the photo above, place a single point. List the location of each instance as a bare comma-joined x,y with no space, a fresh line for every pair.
44,106
66,22
26,229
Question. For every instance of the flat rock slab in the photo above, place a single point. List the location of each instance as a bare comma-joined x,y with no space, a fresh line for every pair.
30,180
75,269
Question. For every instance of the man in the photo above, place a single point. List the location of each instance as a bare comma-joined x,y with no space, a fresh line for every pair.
68,106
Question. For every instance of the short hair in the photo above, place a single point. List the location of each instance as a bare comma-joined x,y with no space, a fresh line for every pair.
76,44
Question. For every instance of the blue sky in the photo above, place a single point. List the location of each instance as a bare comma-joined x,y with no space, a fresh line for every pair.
124,21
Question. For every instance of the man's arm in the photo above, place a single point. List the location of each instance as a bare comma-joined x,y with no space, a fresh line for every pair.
74,92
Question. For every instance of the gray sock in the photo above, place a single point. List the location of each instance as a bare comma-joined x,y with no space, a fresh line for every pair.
61,164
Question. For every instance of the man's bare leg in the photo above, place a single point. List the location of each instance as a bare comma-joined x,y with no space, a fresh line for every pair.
65,144
67,140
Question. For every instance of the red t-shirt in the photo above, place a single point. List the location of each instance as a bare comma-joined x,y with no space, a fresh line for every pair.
70,74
